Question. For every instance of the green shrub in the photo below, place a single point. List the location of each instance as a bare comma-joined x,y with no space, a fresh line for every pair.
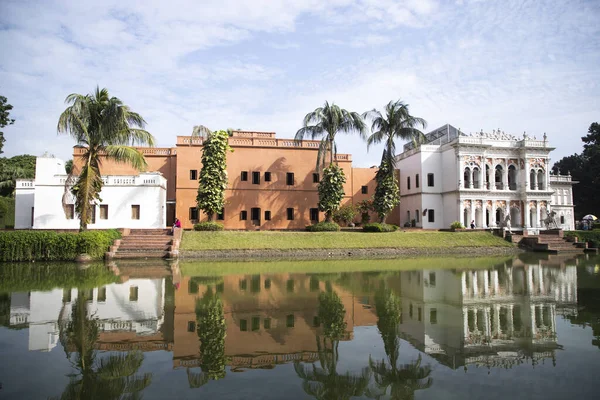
323,227
208,226
345,214
456,225
377,227
52,246
584,236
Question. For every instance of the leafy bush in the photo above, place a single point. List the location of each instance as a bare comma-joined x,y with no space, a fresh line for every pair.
456,225
323,227
377,227
345,214
208,226
585,236
331,190
53,246
364,207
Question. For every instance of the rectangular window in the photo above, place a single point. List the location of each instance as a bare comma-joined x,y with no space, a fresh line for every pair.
289,321
243,215
430,181
243,284
244,176
256,178
433,316
430,215
191,326
221,215
93,218
255,284
432,279
290,214
267,215
267,283
192,287
290,285
193,174
364,189
267,177
419,314
102,295
562,219
135,211
267,323
408,182
417,216
417,181
316,178
255,215
243,325
70,211
314,215
289,178
314,284
193,213
103,211
133,293
255,323
410,311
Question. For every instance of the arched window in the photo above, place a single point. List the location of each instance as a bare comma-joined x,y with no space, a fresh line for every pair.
476,174
467,177
512,178
417,216
408,216
498,176
532,180
541,178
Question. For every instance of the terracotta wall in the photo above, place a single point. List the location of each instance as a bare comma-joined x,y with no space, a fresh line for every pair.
252,152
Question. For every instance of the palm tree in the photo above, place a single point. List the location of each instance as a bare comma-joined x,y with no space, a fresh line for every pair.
111,377
397,124
106,128
405,379
324,382
327,121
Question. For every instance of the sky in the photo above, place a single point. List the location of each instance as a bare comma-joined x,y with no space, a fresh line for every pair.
519,66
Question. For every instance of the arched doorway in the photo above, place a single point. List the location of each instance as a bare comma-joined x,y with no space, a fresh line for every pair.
467,177
498,176
515,216
466,217
479,217
499,216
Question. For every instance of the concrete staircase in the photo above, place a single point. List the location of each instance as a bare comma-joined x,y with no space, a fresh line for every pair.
551,241
144,243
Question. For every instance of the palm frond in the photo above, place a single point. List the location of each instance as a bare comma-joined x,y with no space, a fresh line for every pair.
121,365
126,155
201,131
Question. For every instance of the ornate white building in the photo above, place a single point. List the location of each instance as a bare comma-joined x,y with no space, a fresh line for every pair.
482,177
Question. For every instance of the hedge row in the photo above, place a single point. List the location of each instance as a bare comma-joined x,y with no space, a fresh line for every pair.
51,246
208,226
323,227
585,236
377,227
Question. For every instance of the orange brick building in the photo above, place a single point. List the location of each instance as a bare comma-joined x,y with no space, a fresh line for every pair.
272,182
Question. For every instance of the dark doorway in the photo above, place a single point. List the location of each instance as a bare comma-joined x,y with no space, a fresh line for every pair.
255,216
170,214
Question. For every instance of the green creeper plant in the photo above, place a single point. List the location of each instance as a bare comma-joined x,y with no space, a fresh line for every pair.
213,175
387,195
331,190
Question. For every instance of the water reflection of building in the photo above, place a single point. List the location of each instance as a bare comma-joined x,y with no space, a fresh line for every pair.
496,317
131,314
271,319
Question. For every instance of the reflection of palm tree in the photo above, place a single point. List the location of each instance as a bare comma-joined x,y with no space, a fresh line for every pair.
324,382
405,379
111,377
211,330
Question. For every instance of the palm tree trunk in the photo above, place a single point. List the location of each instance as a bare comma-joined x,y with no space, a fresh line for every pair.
331,151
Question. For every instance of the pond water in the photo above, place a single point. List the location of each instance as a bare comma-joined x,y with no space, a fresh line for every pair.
495,328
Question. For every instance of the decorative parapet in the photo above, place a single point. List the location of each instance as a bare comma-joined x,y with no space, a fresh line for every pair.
146,151
25,184
253,134
243,141
143,179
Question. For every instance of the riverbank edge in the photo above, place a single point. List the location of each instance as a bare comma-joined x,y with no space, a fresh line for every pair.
359,253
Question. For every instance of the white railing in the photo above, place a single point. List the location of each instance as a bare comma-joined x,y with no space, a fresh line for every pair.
25,183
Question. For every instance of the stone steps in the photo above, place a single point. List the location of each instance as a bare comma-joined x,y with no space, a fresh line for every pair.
143,244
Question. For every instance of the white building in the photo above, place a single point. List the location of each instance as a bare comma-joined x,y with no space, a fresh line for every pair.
135,307
483,178
127,201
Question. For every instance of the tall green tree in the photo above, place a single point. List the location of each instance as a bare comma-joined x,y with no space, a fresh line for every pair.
106,128
327,122
585,169
211,330
97,377
387,195
396,124
213,175
402,381
4,119
323,381
11,169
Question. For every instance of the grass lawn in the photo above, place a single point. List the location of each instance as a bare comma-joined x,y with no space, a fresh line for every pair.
336,240
216,268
